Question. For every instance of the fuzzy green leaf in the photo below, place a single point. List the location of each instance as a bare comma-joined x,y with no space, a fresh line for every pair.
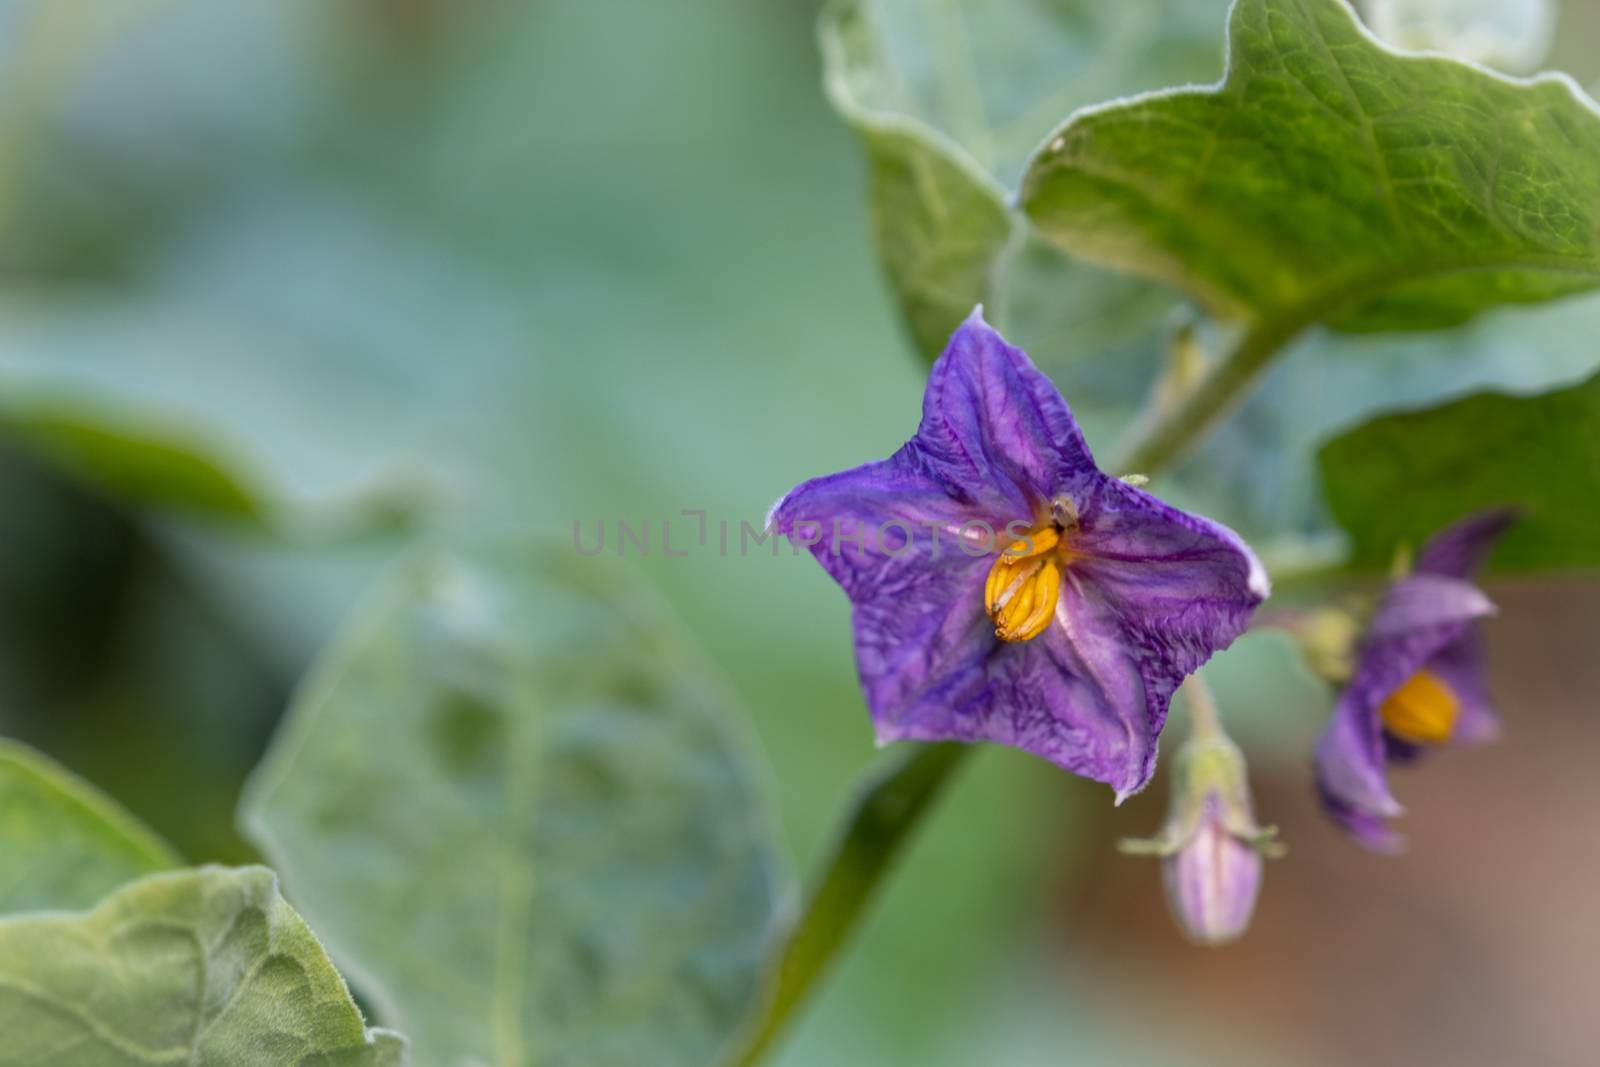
510,801
208,968
63,843
949,99
1400,478
1329,178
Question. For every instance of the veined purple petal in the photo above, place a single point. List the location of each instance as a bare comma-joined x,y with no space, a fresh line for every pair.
1459,550
1419,618
991,422
1178,586
883,527
918,604
1073,695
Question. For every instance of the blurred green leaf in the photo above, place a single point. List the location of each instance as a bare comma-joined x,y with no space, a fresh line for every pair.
512,759
1329,178
142,465
938,222
63,843
207,967
1509,35
949,99
113,395
1400,478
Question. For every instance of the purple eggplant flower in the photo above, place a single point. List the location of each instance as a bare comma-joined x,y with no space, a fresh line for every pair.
1418,682
1006,590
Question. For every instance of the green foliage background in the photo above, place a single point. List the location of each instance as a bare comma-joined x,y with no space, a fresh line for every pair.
324,281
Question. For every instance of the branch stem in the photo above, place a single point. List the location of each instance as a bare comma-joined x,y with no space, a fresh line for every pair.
1163,434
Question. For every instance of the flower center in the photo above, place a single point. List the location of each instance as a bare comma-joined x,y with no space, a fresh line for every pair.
1423,710
1024,583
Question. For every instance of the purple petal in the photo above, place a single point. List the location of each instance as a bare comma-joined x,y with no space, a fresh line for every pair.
1460,666
1179,587
918,614
1419,617
1091,693
1370,831
1460,549
992,422
883,527
1417,609
1073,695
1351,758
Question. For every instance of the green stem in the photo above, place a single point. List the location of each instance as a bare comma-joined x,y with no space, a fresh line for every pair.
1162,435
1204,719
879,826
893,803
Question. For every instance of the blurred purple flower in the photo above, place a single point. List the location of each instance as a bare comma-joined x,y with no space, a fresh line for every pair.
1418,682
1066,636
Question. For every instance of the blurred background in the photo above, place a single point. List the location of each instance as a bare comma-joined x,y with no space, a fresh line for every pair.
361,274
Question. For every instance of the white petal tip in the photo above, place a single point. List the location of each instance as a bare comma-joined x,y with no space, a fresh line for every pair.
772,513
1259,582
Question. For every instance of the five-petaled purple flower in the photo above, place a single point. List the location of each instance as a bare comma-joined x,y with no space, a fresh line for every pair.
1065,637
1418,683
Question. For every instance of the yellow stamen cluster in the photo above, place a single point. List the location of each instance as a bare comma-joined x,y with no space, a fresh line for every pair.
1024,583
1423,710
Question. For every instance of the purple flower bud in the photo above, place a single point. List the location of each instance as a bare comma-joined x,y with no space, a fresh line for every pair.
1212,879
1211,849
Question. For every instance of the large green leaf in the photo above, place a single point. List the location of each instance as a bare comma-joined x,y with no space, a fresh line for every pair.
1401,477
509,800
209,968
1329,178
949,99
63,843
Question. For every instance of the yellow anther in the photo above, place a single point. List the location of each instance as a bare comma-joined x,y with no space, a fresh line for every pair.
1036,543
1024,584
1028,614
1423,710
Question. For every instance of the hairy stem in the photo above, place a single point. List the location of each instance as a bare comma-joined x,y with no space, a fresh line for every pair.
1162,436
878,828
1204,719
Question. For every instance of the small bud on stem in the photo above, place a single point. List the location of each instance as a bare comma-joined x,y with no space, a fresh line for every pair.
1211,849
